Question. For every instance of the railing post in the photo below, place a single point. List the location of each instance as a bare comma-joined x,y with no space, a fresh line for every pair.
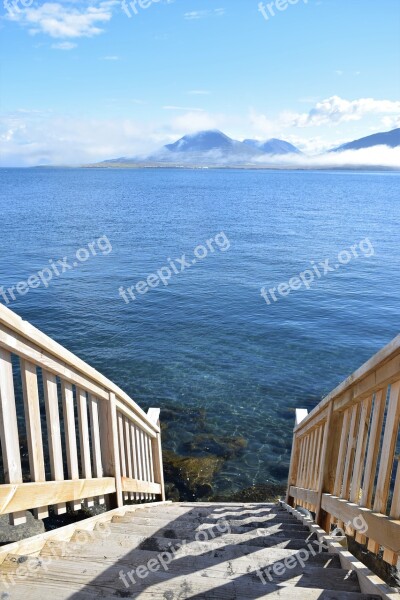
154,415
329,457
301,414
110,447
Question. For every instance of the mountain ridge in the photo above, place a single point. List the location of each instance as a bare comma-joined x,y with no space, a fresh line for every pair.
213,147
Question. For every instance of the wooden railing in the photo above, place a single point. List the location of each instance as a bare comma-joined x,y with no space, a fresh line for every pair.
83,436
344,465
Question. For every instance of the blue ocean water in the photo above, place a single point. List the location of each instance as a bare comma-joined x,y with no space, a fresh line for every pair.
207,348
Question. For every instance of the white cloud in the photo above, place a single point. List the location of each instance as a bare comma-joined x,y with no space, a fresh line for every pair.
264,127
30,137
195,121
111,58
64,21
391,122
29,140
337,110
203,14
64,46
378,156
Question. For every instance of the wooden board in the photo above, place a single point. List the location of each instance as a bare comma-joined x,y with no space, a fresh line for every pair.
21,497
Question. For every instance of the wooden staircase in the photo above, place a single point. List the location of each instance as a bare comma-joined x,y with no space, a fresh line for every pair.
179,551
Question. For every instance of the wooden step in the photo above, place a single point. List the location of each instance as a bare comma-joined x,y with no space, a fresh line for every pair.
113,550
159,543
182,589
199,524
123,541
175,531
245,521
68,575
203,511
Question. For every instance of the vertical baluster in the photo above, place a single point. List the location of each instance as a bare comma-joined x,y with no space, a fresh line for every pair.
108,423
373,447
318,456
305,469
54,433
359,461
372,454
96,444
388,555
70,437
328,462
158,462
122,449
294,468
143,457
134,457
33,428
84,439
151,465
128,451
344,441
348,469
147,461
387,456
9,430
314,463
309,483
139,458
301,462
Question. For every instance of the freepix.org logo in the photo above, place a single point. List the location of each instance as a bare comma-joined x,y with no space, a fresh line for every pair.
14,6
267,9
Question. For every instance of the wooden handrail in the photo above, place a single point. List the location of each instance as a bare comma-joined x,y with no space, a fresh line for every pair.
344,456
112,447
14,322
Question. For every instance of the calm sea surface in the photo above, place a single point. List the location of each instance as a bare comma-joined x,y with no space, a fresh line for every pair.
207,348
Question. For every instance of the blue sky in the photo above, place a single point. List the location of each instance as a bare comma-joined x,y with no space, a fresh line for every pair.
83,81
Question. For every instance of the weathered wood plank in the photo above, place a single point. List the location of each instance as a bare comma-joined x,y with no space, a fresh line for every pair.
96,444
373,447
23,496
121,444
309,496
9,430
33,423
110,446
54,432
156,450
70,436
386,459
142,487
84,440
361,445
380,527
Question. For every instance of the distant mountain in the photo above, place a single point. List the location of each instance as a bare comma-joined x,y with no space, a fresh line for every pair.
204,141
213,146
273,146
207,147
388,138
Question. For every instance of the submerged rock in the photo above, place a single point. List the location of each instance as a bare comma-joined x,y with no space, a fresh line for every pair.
192,476
222,446
267,492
